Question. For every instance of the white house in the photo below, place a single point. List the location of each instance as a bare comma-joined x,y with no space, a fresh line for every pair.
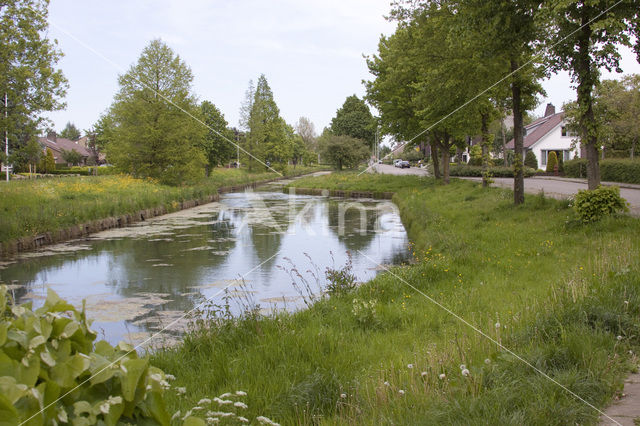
547,134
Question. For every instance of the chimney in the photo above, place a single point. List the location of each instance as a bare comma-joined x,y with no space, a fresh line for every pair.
550,110
52,136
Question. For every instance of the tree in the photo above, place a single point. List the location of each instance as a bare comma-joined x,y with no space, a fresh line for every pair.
70,132
552,162
354,119
509,32
27,70
307,132
585,35
267,139
72,157
530,160
342,151
49,163
33,152
152,136
247,106
216,143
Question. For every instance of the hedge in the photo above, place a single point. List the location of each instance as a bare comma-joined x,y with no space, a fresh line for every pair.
611,170
476,171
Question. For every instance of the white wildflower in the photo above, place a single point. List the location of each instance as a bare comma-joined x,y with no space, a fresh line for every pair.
240,404
442,376
266,421
222,401
212,420
619,338
226,395
170,376
241,393
465,372
175,415
487,361
242,419
204,401
181,390
497,325
410,366
104,407
424,374
462,366
387,384
401,392
197,408
343,395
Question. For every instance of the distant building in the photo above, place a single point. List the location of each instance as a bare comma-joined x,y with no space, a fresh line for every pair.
547,134
58,144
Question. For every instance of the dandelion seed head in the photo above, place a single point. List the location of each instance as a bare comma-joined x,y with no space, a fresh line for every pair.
343,395
465,372
424,374
442,376
401,392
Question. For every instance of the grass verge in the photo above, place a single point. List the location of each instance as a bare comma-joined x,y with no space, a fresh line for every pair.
563,296
31,207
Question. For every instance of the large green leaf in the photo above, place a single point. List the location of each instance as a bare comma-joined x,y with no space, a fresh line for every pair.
8,413
133,369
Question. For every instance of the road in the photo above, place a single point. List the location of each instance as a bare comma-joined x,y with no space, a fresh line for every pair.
555,187
392,170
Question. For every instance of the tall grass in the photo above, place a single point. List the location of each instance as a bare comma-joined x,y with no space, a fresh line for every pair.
31,207
564,297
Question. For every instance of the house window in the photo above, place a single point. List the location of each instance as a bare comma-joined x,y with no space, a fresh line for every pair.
564,131
566,154
543,155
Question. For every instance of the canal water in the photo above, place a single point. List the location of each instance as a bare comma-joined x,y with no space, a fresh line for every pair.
238,251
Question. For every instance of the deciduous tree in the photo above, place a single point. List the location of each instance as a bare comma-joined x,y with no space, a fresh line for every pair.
27,70
216,143
153,134
584,37
70,132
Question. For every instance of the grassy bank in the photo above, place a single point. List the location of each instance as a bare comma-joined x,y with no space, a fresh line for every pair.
31,207
353,181
564,297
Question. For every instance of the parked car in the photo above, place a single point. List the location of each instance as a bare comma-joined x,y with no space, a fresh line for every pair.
404,164
396,163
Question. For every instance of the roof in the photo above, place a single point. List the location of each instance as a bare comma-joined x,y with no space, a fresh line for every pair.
538,129
64,144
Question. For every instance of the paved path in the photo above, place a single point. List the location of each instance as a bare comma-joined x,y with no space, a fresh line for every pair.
392,170
627,408
557,187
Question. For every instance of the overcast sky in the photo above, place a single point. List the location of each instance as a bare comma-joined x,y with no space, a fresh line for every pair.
310,51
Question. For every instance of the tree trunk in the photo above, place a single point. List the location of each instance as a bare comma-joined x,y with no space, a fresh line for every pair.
586,81
518,139
485,149
504,144
434,158
633,146
445,160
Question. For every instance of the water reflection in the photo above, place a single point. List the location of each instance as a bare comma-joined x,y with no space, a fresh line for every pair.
140,278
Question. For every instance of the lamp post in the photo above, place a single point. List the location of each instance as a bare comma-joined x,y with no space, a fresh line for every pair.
6,138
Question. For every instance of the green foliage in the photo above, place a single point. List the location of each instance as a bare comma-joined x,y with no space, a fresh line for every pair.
48,163
530,160
32,152
552,162
216,143
593,205
54,372
612,170
27,71
342,151
72,157
476,171
70,132
476,156
267,138
341,280
354,119
151,135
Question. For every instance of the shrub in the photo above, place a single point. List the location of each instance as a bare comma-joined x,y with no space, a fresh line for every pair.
611,170
576,168
552,162
49,362
530,160
592,206
341,280
476,171
476,156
